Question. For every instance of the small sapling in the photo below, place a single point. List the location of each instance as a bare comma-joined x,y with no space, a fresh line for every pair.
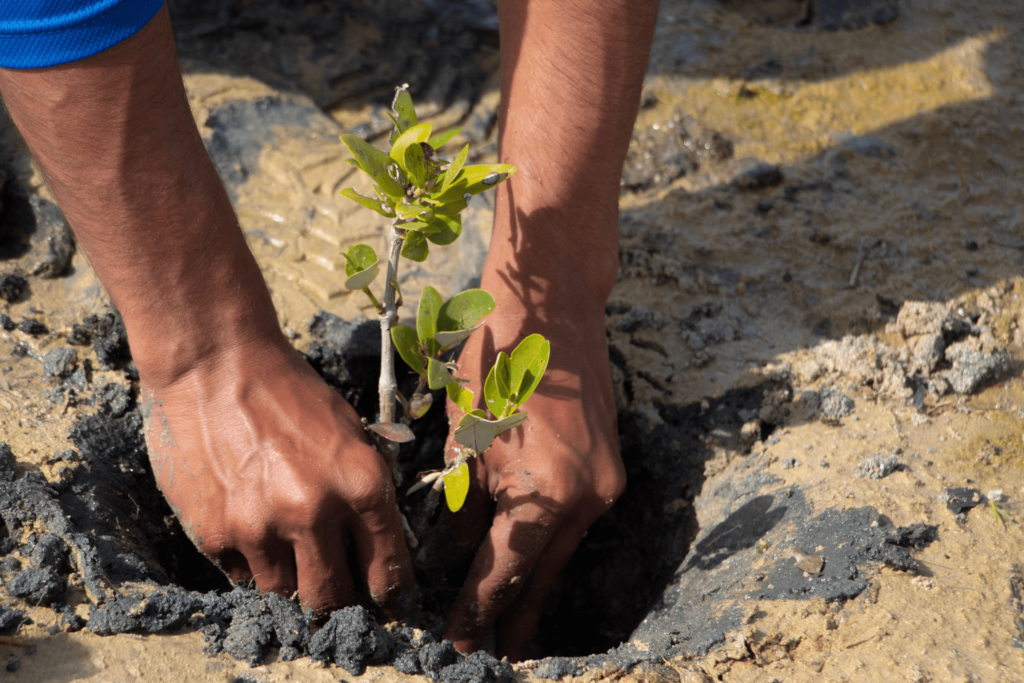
424,196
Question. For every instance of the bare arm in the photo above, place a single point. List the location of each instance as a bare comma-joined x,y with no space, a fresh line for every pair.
571,79
266,467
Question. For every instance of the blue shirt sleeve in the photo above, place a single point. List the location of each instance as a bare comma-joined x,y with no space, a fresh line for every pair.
41,33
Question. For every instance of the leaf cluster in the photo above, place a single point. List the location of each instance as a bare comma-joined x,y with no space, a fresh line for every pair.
420,191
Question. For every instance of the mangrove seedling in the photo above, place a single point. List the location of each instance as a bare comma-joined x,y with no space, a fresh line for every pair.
424,195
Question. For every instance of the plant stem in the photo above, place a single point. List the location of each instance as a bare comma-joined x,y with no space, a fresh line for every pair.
388,386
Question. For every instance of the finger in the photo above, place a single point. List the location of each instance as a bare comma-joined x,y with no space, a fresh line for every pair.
271,564
322,572
380,547
520,532
517,623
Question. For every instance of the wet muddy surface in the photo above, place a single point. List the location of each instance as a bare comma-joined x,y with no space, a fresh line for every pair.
817,341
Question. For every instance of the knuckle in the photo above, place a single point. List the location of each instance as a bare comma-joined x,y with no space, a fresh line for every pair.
610,488
367,489
248,532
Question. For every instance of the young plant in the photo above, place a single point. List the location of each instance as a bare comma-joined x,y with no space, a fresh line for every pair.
424,195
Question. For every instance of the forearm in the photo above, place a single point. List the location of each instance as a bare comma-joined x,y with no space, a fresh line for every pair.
571,79
115,138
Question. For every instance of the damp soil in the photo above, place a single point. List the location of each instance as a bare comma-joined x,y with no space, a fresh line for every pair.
817,341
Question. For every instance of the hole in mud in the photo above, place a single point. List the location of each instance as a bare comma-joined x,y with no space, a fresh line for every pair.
630,555
621,568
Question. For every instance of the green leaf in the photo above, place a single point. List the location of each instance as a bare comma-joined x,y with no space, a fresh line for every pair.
408,347
456,485
358,258
453,170
409,138
363,278
396,132
355,162
474,180
477,433
451,209
402,105
374,162
369,202
414,211
474,432
510,422
464,310
495,402
416,247
460,396
529,361
419,226
426,319
415,165
446,229
438,141
502,371
449,339
524,356
437,374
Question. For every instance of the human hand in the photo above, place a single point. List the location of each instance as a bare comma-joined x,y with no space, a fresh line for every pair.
271,476
550,479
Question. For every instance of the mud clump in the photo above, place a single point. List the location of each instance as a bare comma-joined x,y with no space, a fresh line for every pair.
52,242
833,405
478,667
944,352
164,609
961,498
12,286
107,335
878,466
60,363
434,657
972,366
41,586
260,622
32,327
10,618
352,639
554,668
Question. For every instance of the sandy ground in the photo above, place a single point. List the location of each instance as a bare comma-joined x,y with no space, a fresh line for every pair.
899,156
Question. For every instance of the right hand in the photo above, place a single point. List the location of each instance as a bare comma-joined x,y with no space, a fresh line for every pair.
271,475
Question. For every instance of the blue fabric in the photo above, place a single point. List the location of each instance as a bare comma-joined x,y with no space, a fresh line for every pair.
40,33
